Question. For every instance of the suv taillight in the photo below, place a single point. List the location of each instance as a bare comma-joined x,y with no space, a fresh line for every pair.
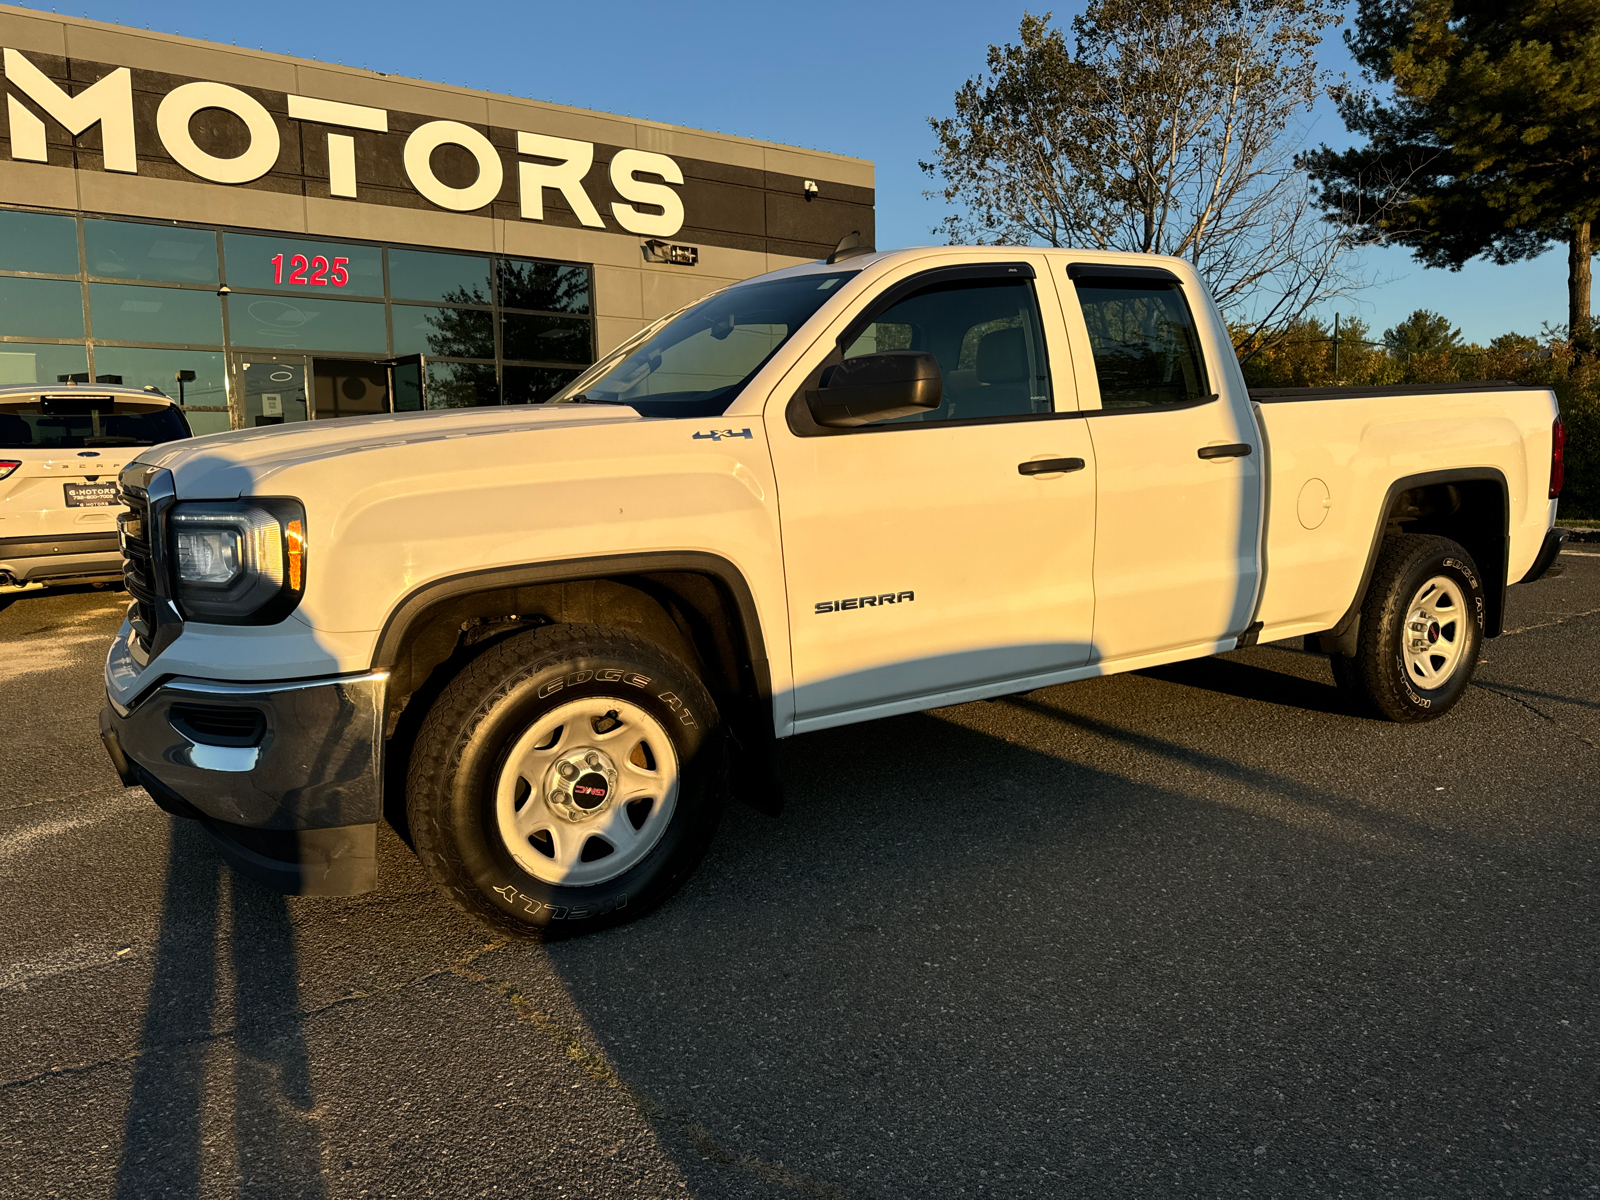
8,465
1558,457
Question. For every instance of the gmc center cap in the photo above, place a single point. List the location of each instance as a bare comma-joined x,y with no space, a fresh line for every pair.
590,790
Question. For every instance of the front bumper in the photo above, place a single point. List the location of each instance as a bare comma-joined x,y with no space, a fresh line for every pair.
287,777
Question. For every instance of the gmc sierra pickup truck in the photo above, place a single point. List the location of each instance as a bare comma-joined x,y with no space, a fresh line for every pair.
556,637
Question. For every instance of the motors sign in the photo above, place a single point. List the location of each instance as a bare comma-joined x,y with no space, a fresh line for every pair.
644,183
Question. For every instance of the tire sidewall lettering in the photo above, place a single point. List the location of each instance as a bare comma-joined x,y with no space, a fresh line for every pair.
497,878
1451,691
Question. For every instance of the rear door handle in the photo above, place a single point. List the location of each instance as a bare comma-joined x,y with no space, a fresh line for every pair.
1049,466
1237,450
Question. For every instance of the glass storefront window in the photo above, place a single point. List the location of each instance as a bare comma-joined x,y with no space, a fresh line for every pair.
149,284
38,242
120,312
302,265
34,362
442,278
533,385
545,339
272,390
163,253
461,385
198,380
51,308
307,323
547,287
443,332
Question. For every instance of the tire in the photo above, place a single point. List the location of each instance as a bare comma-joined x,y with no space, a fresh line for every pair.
567,779
1421,630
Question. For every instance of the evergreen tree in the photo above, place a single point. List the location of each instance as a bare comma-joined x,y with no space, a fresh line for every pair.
1422,333
1490,144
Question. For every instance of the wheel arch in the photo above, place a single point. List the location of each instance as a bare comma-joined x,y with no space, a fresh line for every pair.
697,605
1469,505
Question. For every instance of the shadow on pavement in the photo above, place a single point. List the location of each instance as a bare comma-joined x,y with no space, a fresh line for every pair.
277,1147
965,964
1231,677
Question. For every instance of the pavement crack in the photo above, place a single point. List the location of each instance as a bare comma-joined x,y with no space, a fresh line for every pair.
1536,711
229,1031
597,1068
1550,624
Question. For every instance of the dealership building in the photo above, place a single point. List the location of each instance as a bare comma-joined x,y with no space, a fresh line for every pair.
271,239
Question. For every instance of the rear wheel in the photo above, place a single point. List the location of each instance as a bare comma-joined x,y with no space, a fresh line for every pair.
1421,629
567,778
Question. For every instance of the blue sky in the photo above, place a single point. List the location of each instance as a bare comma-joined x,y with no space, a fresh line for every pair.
856,79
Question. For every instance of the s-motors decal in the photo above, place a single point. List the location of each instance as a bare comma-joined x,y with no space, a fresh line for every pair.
716,435
829,606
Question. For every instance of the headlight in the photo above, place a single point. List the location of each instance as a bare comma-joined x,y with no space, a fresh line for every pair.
239,562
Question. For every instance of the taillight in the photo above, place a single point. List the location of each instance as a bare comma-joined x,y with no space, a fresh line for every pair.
8,465
1558,457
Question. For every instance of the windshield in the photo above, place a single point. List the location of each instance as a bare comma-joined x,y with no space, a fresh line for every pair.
695,364
38,426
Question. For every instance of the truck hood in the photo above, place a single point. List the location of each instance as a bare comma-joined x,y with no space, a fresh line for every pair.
221,466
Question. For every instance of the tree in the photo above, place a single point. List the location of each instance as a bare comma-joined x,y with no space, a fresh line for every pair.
1304,356
1490,143
1165,130
1421,333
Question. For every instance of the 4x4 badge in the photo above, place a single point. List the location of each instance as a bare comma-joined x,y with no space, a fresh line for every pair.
716,435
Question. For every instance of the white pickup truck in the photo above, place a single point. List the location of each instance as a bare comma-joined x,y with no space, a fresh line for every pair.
555,637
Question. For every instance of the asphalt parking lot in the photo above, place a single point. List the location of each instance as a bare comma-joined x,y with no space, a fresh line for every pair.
1194,931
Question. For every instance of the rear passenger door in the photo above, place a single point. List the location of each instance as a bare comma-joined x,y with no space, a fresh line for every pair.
1178,507
921,559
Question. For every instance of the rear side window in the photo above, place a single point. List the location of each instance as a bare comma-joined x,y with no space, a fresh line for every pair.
1146,347
75,424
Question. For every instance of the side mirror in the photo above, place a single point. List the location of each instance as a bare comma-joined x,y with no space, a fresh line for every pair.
875,387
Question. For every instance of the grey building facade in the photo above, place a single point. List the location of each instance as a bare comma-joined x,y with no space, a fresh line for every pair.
271,239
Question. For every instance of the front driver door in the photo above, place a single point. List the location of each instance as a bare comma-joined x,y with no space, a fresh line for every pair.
921,559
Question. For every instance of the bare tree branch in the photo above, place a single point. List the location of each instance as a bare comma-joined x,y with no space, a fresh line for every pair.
1166,128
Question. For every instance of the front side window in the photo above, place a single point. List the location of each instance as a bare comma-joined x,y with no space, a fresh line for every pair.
987,338
1146,347
74,423
696,363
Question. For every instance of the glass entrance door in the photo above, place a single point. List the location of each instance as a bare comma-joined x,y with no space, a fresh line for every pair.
408,383
269,389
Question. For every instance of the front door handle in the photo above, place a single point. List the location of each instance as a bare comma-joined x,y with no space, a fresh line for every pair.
1237,450
1049,466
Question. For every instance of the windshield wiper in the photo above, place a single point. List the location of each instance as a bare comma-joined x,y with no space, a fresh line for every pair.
592,400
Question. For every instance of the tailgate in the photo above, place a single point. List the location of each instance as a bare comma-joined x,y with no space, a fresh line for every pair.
58,494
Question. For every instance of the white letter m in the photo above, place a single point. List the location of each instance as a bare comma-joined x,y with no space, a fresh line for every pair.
108,103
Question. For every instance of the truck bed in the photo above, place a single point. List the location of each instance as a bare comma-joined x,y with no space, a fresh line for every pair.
1474,458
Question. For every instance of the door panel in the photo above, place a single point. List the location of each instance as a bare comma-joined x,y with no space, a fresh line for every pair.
920,557
1176,533
989,569
1174,561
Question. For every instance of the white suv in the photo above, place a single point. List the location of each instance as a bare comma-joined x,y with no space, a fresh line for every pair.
60,451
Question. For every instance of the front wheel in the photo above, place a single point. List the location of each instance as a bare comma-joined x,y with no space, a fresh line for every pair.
1421,629
567,778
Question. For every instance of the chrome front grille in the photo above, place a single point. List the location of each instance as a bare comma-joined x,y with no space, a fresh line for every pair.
138,564
148,494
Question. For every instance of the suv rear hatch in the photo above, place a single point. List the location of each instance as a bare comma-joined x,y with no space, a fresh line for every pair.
59,459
